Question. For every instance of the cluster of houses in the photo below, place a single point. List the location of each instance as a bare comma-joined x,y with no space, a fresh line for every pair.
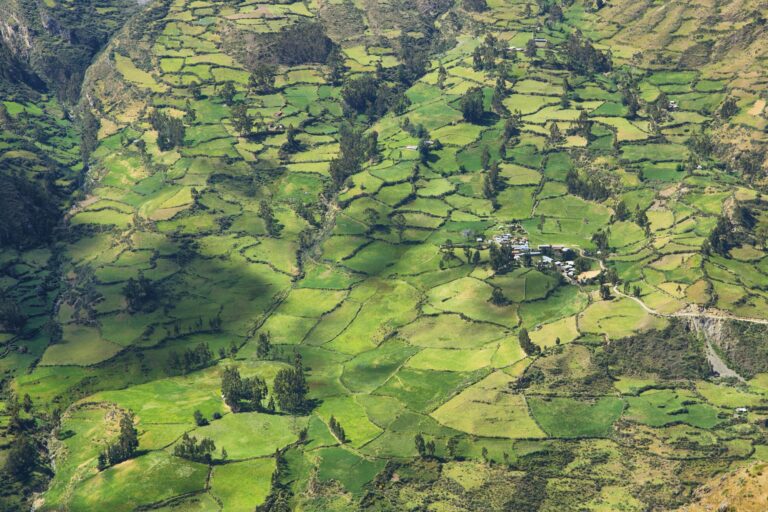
558,257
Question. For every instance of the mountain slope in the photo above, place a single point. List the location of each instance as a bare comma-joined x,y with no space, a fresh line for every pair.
338,191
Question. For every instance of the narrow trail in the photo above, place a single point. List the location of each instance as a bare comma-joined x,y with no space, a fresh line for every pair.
718,365
719,315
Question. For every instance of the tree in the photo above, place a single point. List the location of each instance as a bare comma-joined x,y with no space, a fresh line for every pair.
291,144
264,346
531,49
242,394
497,297
475,5
291,388
485,158
335,63
421,446
472,105
337,430
189,448
126,445
262,79
555,135
22,458
140,294
729,108
512,125
605,292
452,446
274,228
528,346
242,122
195,91
442,74
170,130
584,125
641,218
398,220
227,93
621,212
200,420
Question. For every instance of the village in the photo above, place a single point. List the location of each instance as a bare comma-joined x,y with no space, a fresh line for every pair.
513,240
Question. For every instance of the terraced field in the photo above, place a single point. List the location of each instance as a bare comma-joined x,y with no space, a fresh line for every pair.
382,274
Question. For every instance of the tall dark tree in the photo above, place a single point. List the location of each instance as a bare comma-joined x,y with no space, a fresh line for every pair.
264,346
262,78
227,93
170,130
141,294
291,388
472,105
242,122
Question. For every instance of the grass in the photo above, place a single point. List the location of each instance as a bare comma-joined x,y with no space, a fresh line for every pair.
242,486
485,411
246,435
664,407
567,417
148,479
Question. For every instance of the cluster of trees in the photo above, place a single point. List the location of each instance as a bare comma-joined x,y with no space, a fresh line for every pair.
303,43
498,298
124,447
582,126
355,148
191,449
337,430
369,95
264,346
274,228
424,448
12,318
585,186
291,388
141,294
475,5
583,58
726,233
472,107
28,211
262,78
242,394
192,358
170,130
501,258
242,121
484,56
528,346
492,183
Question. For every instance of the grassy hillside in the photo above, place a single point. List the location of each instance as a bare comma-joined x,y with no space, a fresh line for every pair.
327,189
